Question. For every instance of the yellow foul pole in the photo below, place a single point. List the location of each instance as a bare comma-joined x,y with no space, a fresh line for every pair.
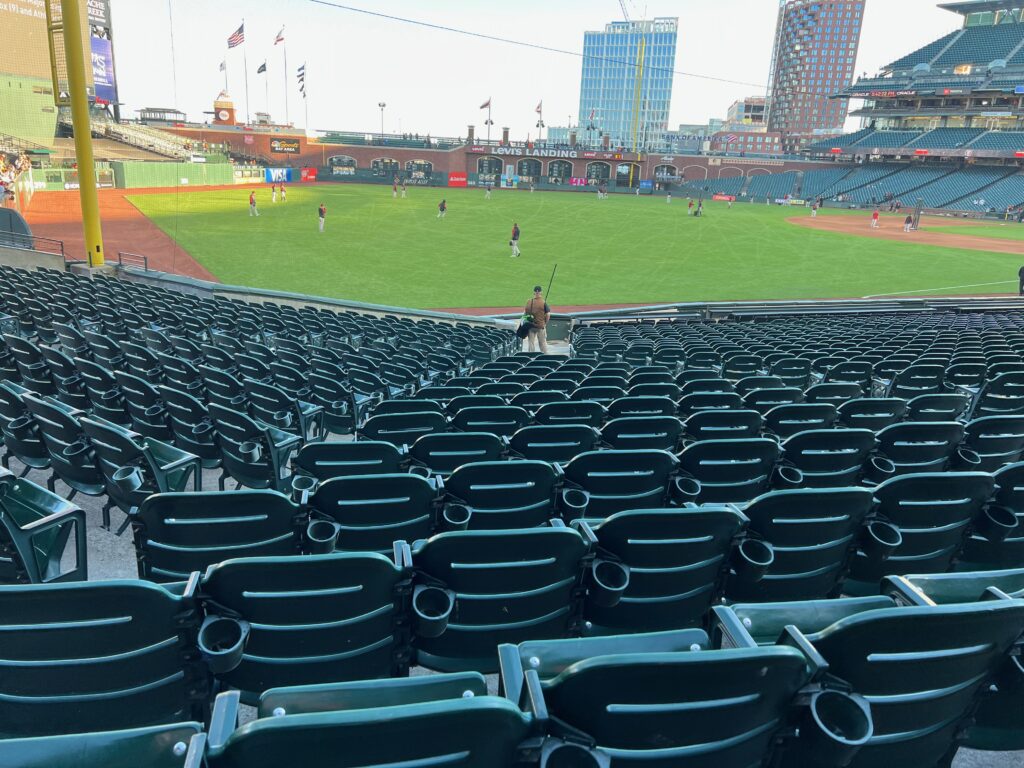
71,18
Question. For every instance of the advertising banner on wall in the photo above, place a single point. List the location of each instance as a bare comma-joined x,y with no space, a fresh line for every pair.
308,174
458,180
277,175
285,146
103,70
98,12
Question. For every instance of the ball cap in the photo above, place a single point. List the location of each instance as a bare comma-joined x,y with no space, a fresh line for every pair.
537,289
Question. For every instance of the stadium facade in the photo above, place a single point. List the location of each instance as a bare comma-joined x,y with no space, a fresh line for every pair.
816,45
627,78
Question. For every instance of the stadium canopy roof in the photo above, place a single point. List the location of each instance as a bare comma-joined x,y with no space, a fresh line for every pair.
965,7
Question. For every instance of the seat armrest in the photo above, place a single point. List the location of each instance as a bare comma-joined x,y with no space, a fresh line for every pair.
224,720
728,631
794,638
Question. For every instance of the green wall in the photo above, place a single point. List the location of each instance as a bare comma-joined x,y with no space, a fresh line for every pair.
134,175
26,109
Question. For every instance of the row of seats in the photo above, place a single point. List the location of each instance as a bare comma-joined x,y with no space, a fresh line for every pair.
906,677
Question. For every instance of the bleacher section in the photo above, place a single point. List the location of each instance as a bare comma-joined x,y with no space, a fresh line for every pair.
773,185
944,138
924,55
1008,141
703,188
887,139
862,176
688,543
1004,194
937,138
816,182
898,184
840,141
981,45
967,181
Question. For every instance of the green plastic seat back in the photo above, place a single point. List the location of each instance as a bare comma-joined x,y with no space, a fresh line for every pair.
92,656
556,443
534,401
953,588
933,512
642,405
829,457
118,447
158,746
341,459
643,432
188,421
315,618
917,380
418,405
921,669
233,429
28,553
24,439
708,401
920,445
999,440
444,452
501,420
505,494
947,406
982,554
723,425
619,480
814,533
721,708
72,457
479,732
510,586
179,533
788,420
678,560
874,413
1001,395
730,470
374,511
586,412
603,394
462,402
403,428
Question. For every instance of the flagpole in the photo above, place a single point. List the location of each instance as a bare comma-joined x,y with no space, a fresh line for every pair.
489,121
245,63
286,120
266,85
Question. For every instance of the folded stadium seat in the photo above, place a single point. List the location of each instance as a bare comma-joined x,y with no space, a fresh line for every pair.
997,369
669,390
765,400
793,372
503,389
565,385
192,427
836,393
813,534
722,425
402,428
661,700
88,656
415,405
326,460
251,367
253,454
829,458
179,745
591,413
33,371
787,420
662,433
935,513
941,407
708,401
555,443
916,379
703,374
533,401
598,394
739,367
104,351
65,376
987,550
134,466
470,382
71,340
443,452
502,494
1001,395
501,420
8,366
366,390
997,724
72,458
641,405
149,416
874,413
183,375
923,669
966,376
457,404
502,586
397,723
679,560
224,388
707,384
752,383
651,374
21,435
920,446
42,320
142,362
338,402
998,440
612,481
729,471
343,612
669,355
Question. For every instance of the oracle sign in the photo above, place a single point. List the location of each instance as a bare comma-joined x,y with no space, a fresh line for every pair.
458,179
921,152
837,150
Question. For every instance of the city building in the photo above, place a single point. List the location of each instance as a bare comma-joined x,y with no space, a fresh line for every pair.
747,114
626,86
747,142
816,44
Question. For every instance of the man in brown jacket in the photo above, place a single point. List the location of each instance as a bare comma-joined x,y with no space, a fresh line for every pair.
540,313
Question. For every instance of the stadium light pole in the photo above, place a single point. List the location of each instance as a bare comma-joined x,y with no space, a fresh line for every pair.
382,105
71,20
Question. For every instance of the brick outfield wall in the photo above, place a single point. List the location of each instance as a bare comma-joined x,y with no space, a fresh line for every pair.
315,154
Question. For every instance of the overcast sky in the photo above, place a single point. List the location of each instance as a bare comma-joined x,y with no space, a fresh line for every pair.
434,81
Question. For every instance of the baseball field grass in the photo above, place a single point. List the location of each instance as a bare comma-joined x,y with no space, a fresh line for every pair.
1008,231
624,249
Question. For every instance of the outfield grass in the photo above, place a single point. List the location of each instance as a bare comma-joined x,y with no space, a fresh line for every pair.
621,250
1008,231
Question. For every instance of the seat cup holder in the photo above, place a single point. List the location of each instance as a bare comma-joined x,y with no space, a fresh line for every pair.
110,396
560,754
880,469
154,411
880,540
420,471
835,728
575,502
455,517
608,582
967,460
302,488
250,450
787,477
21,428
432,607
282,419
127,479
202,429
75,449
752,560
222,642
996,523
322,536
685,490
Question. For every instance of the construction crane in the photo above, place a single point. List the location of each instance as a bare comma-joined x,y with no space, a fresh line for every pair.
625,10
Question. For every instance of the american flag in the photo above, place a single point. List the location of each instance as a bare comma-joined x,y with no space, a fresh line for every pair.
280,37
237,37
732,138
